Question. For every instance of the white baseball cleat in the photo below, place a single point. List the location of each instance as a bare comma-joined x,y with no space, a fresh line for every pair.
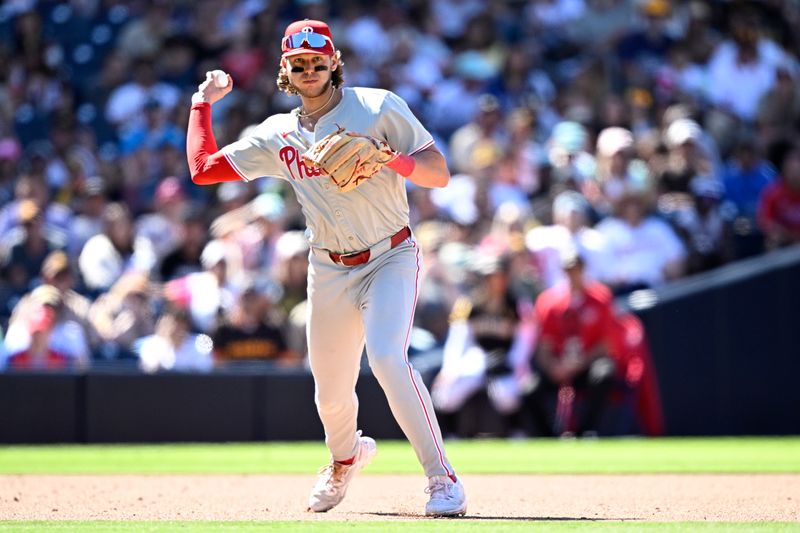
447,497
334,478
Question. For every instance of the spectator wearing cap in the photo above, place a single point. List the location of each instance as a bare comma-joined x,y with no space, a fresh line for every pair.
106,256
58,271
161,228
485,343
746,176
645,251
232,195
575,323
23,251
571,164
616,169
192,237
570,231
686,158
43,337
706,231
485,128
207,294
291,268
88,219
779,207
250,331
123,315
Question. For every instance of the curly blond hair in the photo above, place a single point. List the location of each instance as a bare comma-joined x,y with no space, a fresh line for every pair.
337,77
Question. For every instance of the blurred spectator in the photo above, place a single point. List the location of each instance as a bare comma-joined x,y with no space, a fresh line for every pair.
206,294
570,233
123,315
152,133
455,101
57,217
192,236
126,102
291,268
486,343
144,36
88,220
575,322
249,331
232,195
779,207
44,337
644,250
779,108
616,169
106,256
571,163
484,129
742,68
704,227
686,158
23,251
645,47
746,176
161,228
174,347
257,226
58,272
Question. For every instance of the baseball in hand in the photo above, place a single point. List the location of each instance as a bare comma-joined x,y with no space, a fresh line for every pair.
220,78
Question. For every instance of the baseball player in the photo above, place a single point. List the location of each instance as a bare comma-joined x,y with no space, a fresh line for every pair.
346,153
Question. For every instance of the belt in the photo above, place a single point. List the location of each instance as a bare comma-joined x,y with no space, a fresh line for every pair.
359,258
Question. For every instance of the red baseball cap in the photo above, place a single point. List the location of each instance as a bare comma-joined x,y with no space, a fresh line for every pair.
307,37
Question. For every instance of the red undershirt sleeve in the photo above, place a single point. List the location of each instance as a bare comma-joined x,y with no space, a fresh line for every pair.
206,163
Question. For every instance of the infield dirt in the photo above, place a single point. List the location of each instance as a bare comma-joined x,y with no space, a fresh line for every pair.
400,497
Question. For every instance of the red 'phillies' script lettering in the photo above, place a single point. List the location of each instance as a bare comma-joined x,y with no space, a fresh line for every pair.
295,164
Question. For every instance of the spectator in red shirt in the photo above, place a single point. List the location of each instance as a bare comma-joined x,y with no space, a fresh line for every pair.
779,206
575,321
33,346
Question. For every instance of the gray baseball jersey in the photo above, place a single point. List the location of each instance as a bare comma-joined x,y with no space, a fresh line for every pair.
338,222
371,303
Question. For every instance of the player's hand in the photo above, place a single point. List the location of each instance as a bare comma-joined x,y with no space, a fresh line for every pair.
208,91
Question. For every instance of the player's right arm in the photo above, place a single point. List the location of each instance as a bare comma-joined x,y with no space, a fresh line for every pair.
207,164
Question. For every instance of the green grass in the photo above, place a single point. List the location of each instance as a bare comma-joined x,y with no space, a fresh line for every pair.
440,526
628,456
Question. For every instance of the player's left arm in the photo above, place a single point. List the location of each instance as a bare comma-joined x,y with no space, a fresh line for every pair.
419,160
429,168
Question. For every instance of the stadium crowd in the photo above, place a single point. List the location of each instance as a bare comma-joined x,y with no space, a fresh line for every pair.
641,140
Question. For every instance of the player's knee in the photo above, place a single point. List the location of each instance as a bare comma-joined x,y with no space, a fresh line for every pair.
384,365
334,406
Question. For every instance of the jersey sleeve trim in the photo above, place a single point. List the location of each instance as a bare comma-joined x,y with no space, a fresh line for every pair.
234,167
421,148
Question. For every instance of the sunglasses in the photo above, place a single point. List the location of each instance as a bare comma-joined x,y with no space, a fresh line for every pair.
314,40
